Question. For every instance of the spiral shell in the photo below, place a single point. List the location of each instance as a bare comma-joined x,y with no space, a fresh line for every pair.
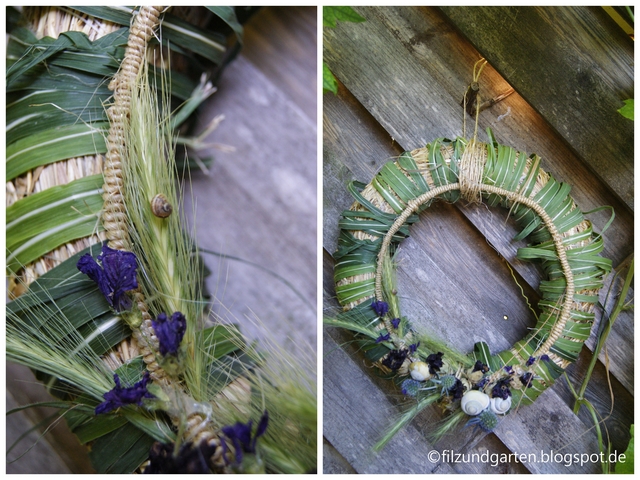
160,206
419,371
474,402
500,406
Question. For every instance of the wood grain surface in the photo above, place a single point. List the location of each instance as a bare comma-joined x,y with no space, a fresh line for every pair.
402,75
258,203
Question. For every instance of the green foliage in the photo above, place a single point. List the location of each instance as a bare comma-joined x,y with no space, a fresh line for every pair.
627,110
627,465
329,82
330,16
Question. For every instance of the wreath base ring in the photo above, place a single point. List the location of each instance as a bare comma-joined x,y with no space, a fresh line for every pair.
479,383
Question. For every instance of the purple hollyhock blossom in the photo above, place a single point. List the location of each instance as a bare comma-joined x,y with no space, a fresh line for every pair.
395,359
115,275
169,332
501,389
190,458
527,379
120,396
241,438
482,383
383,338
395,322
381,308
435,362
480,367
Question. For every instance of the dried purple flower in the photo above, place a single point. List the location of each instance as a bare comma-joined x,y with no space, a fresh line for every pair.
435,362
395,323
115,275
383,338
241,438
508,369
482,383
527,379
169,332
457,390
381,308
189,459
413,347
480,367
120,396
395,359
501,389
545,358
530,361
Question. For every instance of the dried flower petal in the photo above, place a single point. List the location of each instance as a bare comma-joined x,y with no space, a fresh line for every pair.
189,459
480,367
240,436
381,308
120,396
169,332
527,379
383,338
435,362
115,275
395,322
501,389
395,359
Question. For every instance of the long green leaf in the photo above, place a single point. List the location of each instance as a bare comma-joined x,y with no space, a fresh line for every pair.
121,451
41,211
53,145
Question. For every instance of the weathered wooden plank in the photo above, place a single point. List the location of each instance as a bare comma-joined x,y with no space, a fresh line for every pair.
41,458
575,65
282,43
333,462
258,203
60,444
405,46
382,64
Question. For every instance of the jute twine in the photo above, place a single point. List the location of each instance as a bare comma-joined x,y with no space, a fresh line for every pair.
471,187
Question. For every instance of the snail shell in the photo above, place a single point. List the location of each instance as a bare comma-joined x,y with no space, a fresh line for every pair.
500,406
419,371
160,206
474,402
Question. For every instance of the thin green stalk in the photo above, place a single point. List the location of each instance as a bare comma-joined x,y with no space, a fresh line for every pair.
596,424
619,306
405,419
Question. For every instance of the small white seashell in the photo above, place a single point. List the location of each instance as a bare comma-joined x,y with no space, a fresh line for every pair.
474,402
419,371
500,406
